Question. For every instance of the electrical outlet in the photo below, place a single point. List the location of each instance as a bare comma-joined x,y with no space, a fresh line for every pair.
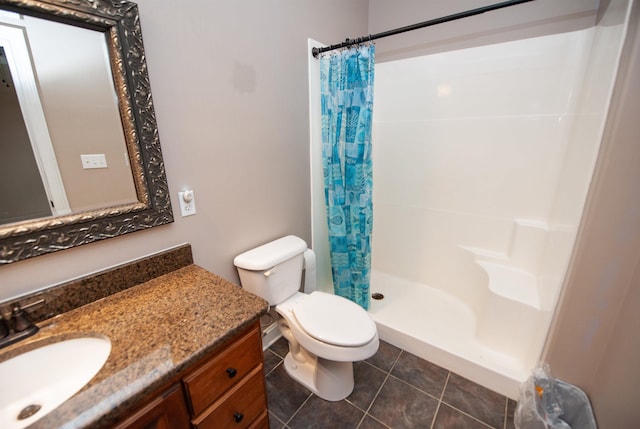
96,160
187,203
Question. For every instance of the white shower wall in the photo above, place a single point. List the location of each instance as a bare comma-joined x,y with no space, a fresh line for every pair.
482,162
466,144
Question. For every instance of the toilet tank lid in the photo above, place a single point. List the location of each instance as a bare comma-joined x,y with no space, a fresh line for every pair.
271,254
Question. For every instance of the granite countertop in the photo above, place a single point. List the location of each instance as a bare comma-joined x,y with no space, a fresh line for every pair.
157,330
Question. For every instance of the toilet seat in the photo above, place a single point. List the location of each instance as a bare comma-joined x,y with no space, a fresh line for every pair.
334,320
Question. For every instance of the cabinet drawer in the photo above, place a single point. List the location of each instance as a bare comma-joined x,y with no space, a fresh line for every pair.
210,381
239,408
261,422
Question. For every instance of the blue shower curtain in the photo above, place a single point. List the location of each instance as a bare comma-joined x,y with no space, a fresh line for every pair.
346,80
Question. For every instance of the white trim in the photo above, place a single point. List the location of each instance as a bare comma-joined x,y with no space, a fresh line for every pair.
14,41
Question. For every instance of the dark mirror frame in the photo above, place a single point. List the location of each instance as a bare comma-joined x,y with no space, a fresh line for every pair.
120,23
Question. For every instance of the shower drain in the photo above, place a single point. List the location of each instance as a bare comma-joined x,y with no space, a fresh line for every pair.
377,295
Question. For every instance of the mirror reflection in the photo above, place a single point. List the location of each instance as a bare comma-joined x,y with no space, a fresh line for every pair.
61,134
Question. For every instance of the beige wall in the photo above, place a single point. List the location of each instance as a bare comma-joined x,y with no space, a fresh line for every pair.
229,83
594,343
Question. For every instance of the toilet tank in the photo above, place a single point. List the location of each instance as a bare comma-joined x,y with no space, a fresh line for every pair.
273,271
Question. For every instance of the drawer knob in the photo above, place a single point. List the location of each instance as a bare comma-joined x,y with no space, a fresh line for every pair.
238,417
231,372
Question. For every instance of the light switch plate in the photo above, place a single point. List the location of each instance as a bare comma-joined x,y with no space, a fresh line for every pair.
187,201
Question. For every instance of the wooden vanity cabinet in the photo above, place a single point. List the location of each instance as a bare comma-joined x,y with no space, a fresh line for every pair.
223,390
167,411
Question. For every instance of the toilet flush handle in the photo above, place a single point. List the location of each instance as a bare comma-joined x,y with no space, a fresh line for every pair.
270,271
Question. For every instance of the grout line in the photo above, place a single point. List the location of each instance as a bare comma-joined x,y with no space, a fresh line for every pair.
277,365
415,387
298,410
435,415
382,369
506,412
388,374
271,415
276,353
446,382
381,423
376,395
366,413
393,365
468,415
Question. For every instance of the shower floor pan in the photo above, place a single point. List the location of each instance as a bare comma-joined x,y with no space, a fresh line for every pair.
438,327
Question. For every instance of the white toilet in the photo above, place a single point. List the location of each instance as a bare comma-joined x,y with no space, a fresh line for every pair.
326,333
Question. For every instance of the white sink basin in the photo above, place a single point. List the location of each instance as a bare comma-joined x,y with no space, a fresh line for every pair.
46,377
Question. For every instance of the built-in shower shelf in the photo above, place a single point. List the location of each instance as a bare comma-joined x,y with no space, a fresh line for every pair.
512,283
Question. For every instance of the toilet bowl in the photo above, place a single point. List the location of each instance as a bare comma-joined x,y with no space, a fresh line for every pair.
326,333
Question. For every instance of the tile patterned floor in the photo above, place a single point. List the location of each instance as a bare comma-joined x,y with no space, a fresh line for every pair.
393,389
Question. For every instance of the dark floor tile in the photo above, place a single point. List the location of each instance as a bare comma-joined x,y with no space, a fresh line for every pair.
420,373
370,423
368,380
274,422
284,395
385,357
511,408
399,406
280,347
271,360
480,402
317,413
449,418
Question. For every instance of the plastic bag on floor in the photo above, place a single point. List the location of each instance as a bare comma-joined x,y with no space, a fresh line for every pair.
549,403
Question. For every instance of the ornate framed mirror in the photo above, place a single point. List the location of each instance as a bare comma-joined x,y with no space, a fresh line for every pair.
128,111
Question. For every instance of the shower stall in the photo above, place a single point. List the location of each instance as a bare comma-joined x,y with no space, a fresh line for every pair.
482,162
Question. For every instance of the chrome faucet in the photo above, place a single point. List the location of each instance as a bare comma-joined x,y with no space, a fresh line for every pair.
19,327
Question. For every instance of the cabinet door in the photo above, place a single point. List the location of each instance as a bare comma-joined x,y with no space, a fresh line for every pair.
167,411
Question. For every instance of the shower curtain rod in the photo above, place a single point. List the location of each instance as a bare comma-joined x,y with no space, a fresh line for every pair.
448,18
